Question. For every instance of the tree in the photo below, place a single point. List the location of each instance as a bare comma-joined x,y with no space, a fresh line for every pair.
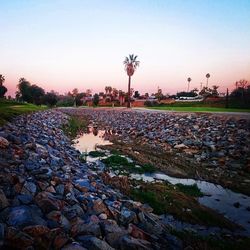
2,80
24,90
137,94
189,80
37,93
159,94
207,76
50,98
240,96
96,99
131,64
3,89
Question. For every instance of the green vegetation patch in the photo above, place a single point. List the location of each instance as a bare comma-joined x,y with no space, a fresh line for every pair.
11,109
96,154
167,198
191,190
150,198
211,242
75,126
117,162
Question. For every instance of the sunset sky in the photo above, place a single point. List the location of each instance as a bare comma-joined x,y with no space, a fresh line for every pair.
60,45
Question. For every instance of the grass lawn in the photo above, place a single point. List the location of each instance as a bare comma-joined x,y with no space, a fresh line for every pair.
199,109
10,109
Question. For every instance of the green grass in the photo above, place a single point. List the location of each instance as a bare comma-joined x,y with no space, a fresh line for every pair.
117,162
191,190
199,109
75,126
11,109
96,154
149,197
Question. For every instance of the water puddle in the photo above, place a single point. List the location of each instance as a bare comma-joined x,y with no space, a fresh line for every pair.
89,141
234,206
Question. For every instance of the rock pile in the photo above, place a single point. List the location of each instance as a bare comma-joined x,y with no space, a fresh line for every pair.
211,141
50,200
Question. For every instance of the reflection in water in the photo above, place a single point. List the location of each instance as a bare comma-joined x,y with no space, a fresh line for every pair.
94,137
216,197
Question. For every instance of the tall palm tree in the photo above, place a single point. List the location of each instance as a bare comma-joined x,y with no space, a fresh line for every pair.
189,80
131,64
207,76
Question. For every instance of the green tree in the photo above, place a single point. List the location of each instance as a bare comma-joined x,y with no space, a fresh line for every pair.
24,90
131,64
37,94
50,98
96,99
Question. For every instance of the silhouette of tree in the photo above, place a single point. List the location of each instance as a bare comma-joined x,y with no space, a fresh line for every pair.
189,80
3,89
50,98
96,99
131,64
207,76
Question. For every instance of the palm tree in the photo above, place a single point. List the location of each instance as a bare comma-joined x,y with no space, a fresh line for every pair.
131,64
207,76
189,80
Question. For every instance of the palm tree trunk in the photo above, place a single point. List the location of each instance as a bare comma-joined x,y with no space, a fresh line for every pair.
207,81
129,82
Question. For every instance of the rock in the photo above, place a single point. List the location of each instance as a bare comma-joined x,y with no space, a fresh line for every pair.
128,242
112,232
3,200
16,239
2,230
47,202
93,243
36,230
22,216
73,246
25,198
237,204
180,146
99,207
127,216
29,188
102,216
86,229
4,143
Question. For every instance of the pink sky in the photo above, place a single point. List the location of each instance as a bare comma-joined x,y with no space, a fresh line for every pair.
62,45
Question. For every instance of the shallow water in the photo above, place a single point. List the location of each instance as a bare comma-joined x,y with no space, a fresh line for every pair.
216,197
89,141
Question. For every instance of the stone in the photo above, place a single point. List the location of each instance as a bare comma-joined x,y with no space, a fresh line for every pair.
127,216
128,242
93,243
4,143
73,246
23,215
36,231
47,202
3,200
16,238
29,188
86,229
102,216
